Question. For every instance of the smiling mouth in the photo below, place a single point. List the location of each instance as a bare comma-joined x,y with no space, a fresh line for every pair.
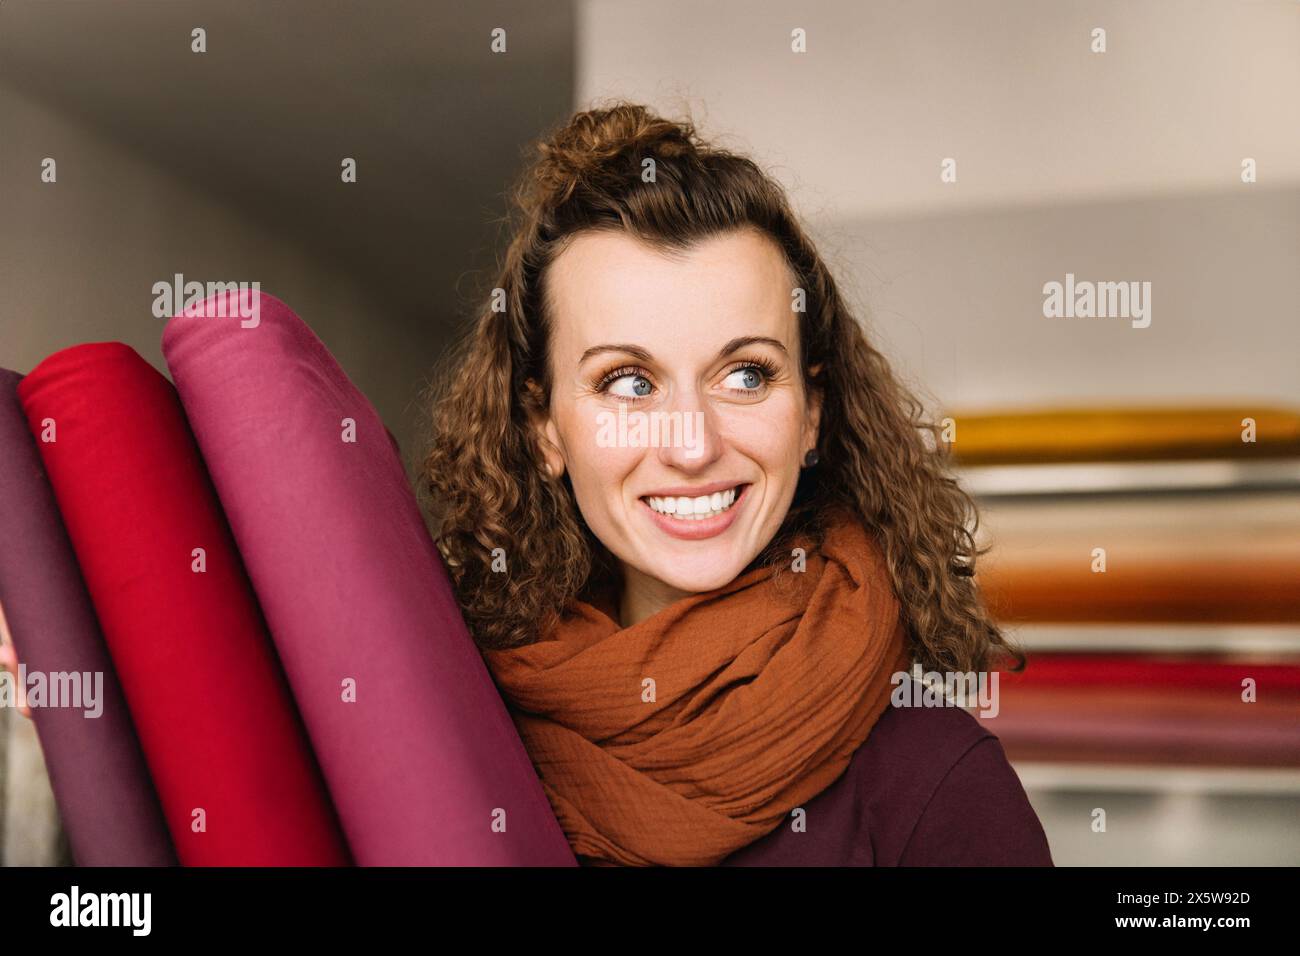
685,508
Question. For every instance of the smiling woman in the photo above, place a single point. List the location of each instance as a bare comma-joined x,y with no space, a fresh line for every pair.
697,637
759,419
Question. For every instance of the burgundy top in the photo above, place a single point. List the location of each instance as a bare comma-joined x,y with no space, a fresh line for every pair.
930,786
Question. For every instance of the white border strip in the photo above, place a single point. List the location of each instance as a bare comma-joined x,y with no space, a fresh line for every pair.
1117,477
1148,778
1236,639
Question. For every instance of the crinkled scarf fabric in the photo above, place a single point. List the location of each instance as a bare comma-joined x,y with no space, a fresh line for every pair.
693,733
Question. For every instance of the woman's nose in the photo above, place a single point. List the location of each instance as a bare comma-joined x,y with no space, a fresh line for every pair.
689,437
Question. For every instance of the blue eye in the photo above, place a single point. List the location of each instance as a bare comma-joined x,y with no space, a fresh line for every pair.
751,378
641,386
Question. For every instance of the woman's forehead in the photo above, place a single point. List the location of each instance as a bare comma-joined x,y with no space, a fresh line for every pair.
612,287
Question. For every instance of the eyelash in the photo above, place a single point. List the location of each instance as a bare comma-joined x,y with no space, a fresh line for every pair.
763,365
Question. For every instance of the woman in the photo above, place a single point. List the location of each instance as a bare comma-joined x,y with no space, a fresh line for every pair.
697,528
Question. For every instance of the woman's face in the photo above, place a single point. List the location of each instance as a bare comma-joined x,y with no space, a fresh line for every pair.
701,353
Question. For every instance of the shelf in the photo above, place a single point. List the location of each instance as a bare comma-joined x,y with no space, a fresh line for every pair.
1266,640
1156,778
1128,478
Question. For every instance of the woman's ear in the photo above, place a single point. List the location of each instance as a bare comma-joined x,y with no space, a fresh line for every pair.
813,418
549,440
545,433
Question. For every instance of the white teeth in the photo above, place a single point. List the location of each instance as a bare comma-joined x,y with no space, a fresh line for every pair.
694,509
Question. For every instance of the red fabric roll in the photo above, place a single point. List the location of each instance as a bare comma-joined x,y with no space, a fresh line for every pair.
1147,725
1201,672
217,725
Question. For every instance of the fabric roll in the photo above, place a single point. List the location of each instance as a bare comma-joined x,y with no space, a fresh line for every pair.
1124,433
1195,558
216,722
105,796
1187,672
421,757
1147,725
1191,709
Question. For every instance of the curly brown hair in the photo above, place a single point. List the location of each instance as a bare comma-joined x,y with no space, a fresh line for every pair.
484,476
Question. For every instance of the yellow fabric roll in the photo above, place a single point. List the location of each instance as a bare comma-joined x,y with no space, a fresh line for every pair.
1132,433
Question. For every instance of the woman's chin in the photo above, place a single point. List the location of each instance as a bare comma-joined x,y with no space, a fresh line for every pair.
702,572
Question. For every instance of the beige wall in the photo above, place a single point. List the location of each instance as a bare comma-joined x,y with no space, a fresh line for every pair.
1116,166
859,123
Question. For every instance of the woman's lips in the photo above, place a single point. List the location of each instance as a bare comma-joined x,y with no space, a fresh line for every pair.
692,529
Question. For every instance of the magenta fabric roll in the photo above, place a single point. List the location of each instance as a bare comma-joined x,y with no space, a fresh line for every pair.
421,758
225,746
106,798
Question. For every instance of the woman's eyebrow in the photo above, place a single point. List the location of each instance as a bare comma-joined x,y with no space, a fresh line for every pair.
642,355
735,345
633,350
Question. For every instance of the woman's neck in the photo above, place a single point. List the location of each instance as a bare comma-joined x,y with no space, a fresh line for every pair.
643,596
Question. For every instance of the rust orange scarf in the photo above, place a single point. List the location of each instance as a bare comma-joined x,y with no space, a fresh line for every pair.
693,733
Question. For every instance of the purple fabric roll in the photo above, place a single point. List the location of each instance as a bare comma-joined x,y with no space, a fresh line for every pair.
424,764
106,798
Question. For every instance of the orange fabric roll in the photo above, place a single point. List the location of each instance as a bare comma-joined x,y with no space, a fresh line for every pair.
1123,434
1186,558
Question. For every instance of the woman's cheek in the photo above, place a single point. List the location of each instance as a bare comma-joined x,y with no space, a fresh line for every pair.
601,456
768,433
